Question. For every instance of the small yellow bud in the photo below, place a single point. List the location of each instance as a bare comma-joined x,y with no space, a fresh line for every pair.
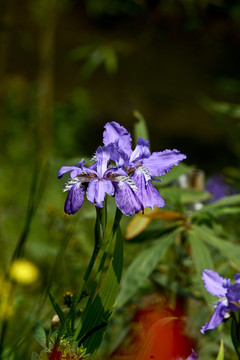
24,272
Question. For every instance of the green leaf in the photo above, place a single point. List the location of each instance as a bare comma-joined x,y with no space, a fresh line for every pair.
97,315
143,265
201,258
184,195
140,128
164,280
229,250
227,201
221,352
34,356
174,174
235,335
40,337
57,309
152,234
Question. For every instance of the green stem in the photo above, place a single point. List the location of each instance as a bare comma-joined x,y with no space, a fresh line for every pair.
2,338
235,334
116,222
117,219
97,246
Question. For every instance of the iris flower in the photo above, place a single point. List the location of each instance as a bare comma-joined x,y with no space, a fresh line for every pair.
229,297
98,180
120,172
140,164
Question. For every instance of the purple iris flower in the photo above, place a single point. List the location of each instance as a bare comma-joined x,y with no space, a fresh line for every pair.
219,187
98,180
193,356
140,164
229,297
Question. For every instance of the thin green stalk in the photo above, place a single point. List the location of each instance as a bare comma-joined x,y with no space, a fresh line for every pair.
2,338
235,334
117,219
97,246
116,223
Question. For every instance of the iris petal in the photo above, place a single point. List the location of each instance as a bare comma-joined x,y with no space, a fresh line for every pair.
126,199
159,163
74,171
216,319
97,190
233,293
214,283
74,199
141,151
115,133
146,192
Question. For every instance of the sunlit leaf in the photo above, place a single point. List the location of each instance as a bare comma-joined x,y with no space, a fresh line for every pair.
167,215
142,266
221,352
138,223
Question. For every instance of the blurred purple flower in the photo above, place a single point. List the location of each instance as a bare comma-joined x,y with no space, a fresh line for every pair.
140,164
229,297
219,187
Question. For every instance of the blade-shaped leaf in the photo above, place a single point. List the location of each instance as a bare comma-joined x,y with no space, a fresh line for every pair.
97,314
201,258
227,249
140,128
227,201
221,352
142,266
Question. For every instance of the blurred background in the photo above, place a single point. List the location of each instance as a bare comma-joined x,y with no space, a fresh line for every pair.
66,68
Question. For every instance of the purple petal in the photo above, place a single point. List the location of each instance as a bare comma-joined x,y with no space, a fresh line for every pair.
126,199
217,317
159,163
115,132
118,155
97,189
233,293
74,199
146,192
103,158
214,283
141,151
74,171
193,356
237,278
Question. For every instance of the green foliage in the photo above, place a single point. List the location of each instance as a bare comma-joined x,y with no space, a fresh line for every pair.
142,266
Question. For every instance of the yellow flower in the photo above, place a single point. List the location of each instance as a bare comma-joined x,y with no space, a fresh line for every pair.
24,272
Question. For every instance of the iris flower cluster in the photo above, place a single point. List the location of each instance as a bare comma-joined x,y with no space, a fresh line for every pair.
121,172
229,297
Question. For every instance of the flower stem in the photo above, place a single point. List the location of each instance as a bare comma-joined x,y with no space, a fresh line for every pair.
99,232
117,219
116,223
235,331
